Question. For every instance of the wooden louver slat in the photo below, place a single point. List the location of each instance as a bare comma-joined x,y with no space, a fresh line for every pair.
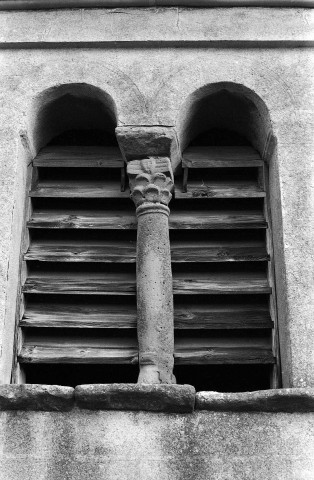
123,252
108,220
230,353
239,178
62,189
221,283
53,291
221,190
108,284
220,157
87,283
109,189
73,315
80,178
226,356
109,252
77,354
78,157
127,220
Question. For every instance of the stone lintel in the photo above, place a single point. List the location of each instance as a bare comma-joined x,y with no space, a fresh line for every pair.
129,396
36,397
279,400
137,142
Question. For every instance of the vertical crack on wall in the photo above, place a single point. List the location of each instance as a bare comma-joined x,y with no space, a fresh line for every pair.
178,19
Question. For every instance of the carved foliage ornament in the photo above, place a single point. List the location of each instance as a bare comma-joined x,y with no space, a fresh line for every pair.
148,182
154,188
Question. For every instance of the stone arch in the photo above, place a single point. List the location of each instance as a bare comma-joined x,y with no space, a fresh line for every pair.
77,106
224,105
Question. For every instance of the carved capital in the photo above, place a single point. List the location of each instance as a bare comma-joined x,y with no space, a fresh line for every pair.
148,181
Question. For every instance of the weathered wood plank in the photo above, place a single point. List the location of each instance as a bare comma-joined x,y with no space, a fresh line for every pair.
80,316
221,317
97,189
109,252
230,189
129,355
120,220
225,356
217,252
221,157
201,219
77,354
87,283
189,219
73,157
118,252
125,316
123,284
220,283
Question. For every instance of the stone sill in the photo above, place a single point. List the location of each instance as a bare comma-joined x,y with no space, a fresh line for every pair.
280,400
152,398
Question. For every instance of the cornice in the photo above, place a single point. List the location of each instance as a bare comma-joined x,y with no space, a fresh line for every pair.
64,4
145,28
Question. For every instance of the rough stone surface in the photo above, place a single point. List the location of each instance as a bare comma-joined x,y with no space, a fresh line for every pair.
190,54
139,142
128,396
155,330
281,78
155,87
111,445
36,397
151,192
158,24
284,400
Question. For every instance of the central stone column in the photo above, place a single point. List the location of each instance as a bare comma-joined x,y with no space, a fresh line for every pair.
151,184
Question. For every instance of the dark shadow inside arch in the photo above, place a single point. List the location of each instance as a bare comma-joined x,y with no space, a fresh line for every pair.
75,115
224,107
85,138
217,137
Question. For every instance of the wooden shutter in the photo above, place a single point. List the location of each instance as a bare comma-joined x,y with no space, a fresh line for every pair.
221,255
79,287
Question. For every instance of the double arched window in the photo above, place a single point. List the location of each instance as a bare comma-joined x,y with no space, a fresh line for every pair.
77,315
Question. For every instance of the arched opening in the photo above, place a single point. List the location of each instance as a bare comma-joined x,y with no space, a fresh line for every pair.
226,331
74,114
228,107
77,320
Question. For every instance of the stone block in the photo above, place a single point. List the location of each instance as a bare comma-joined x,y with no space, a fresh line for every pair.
281,400
128,396
138,142
36,397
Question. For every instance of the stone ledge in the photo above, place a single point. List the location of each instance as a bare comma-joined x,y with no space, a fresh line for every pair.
155,27
129,396
36,397
281,400
154,398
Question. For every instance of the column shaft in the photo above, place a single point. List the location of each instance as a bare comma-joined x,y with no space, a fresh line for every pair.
154,295
151,183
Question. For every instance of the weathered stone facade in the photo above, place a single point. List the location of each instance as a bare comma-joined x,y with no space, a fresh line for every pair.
155,71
